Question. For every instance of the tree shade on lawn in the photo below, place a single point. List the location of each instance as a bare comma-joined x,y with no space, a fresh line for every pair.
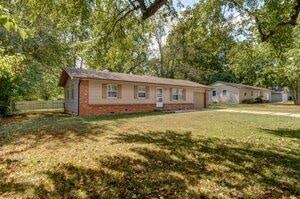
199,154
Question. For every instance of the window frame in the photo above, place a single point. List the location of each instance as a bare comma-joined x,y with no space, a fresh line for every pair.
109,90
141,91
224,93
175,92
214,93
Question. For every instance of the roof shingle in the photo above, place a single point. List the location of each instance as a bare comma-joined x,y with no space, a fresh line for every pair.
106,75
240,86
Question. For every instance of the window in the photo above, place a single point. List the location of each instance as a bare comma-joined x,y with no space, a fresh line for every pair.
224,92
111,91
251,93
177,94
214,93
260,93
141,92
245,93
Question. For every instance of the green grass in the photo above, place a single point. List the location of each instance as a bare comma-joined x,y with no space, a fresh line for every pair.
185,155
271,107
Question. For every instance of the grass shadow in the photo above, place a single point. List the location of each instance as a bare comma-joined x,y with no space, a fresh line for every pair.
288,133
7,184
44,127
177,165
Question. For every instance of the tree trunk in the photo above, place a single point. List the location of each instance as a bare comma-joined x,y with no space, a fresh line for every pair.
295,92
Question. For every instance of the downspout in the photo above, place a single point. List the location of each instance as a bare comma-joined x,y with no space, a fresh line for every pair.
78,97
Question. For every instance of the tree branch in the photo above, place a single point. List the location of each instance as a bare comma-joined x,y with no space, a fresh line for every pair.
266,36
122,16
152,9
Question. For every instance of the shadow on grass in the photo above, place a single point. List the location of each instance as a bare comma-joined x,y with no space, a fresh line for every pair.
284,132
43,127
7,184
176,165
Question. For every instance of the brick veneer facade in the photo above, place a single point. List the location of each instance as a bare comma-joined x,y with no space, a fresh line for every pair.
179,106
105,109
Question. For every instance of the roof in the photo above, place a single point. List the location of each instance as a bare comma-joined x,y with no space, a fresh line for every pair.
79,73
240,86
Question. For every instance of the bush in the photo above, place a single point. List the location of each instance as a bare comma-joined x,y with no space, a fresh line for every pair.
258,100
6,108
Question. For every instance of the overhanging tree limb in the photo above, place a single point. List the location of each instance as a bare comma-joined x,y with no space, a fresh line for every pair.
136,5
265,36
152,9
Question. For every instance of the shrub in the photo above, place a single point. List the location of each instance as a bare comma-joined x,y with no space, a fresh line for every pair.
258,100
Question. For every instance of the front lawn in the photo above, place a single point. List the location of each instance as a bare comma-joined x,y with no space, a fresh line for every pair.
185,155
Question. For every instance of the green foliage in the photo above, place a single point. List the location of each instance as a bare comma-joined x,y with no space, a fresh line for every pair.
261,64
197,47
223,76
253,63
9,24
118,46
10,73
207,43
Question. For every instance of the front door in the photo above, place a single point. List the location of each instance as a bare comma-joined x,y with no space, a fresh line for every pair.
159,97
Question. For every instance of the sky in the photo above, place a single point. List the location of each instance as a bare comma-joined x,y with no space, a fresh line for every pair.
185,3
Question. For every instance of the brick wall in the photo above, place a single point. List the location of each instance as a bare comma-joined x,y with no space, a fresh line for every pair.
84,97
178,106
105,109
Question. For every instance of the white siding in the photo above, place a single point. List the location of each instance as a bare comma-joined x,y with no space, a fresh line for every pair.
256,93
235,95
231,97
71,105
95,93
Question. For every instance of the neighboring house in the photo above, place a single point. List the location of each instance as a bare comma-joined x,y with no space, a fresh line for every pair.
231,93
90,92
279,94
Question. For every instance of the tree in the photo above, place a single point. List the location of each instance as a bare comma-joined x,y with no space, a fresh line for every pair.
196,48
10,77
290,68
270,17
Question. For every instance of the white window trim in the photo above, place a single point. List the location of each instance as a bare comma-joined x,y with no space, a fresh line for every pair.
177,93
107,91
225,92
138,92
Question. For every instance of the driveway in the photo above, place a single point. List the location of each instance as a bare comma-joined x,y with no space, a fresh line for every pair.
296,115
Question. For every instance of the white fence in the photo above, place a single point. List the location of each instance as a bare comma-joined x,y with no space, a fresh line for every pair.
39,105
